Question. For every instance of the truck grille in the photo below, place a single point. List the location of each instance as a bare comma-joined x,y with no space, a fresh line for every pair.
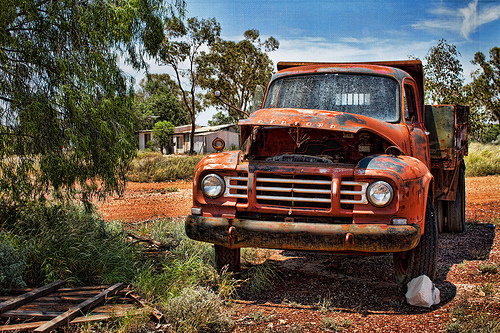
294,190
302,191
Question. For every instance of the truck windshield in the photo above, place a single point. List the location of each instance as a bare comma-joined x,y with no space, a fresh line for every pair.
367,95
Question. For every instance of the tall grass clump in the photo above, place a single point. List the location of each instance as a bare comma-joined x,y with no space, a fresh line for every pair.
148,166
184,284
66,242
187,264
483,160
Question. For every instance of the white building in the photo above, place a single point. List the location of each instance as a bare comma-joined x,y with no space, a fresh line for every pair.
203,137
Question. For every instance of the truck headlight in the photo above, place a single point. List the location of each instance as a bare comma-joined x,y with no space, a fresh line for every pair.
380,193
212,186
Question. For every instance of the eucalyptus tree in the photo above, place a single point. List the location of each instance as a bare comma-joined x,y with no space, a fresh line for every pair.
64,102
486,81
235,69
158,100
180,50
444,78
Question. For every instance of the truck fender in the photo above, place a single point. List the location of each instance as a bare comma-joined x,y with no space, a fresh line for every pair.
411,177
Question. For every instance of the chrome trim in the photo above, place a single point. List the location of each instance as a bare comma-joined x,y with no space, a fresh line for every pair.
361,193
230,187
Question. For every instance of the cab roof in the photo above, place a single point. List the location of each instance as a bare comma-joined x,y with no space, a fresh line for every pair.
413,68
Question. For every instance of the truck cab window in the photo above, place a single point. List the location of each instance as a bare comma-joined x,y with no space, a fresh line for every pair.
410,106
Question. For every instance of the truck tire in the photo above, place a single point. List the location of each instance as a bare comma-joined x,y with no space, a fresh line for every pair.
422,260
456,209
225,256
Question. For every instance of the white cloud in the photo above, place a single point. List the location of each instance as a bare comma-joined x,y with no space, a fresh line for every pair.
464,21
348,50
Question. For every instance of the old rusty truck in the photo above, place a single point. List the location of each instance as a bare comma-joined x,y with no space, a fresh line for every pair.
339,157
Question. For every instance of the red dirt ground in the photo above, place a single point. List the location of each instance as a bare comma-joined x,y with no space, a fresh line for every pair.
358,293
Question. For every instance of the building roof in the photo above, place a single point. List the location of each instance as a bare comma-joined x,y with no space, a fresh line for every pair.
207,129
198,130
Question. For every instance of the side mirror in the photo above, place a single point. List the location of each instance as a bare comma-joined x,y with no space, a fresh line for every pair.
258,98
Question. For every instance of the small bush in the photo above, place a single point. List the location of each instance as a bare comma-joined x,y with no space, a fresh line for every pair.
12,266
488,268
197,309
261,276
173,278
335,325
148,167
483,160
189,263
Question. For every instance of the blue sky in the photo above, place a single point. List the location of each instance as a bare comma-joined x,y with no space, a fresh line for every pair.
357,30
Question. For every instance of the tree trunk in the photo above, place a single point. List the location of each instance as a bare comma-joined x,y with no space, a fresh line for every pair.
191,135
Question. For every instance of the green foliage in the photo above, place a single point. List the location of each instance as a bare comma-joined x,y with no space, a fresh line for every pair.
65,103
12,266
261,276
64,242
483,160
443,75
188,264
180,284
173,278
488,268
158,100
197,309
486,85
162,134
235,68
155,167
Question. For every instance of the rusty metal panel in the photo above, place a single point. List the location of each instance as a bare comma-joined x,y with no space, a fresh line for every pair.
447,126
237,233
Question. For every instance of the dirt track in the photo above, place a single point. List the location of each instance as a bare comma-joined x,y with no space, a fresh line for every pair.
357,292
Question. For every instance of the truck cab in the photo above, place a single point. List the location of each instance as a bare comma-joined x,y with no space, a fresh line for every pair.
338,158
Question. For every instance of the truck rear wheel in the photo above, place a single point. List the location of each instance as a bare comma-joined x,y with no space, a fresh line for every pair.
456,209
423,258
225,256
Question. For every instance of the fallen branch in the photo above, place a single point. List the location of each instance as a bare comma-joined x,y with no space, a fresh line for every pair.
154,312
149,241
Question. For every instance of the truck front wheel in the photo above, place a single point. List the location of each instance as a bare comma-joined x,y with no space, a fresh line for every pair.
225,256
422,260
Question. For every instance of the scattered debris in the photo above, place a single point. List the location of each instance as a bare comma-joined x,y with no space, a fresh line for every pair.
422,292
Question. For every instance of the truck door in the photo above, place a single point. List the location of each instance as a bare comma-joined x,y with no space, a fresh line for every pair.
415,123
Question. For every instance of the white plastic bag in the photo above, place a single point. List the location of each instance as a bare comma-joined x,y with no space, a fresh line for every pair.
422,292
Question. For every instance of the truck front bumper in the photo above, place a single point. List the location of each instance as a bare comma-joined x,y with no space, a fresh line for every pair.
366,238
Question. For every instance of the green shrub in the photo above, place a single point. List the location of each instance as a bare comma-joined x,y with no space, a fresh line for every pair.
12,266
488,268
65,242
197,309
173,278
156,167
483,160
187,264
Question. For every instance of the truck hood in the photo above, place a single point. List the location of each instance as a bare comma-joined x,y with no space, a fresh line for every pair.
323,120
